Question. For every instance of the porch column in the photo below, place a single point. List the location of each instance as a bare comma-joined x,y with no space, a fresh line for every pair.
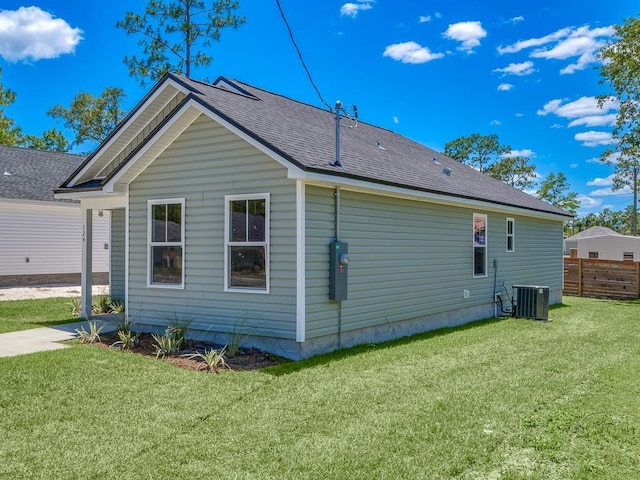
86,275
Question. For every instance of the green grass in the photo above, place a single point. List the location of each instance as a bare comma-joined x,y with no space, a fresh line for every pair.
512,399
24,314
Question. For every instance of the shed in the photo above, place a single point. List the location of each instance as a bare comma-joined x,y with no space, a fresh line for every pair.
41,240
227,202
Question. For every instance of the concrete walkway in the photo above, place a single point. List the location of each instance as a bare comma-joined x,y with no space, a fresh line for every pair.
44,338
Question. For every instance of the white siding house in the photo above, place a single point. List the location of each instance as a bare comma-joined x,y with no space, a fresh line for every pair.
230,209
610,247
41,237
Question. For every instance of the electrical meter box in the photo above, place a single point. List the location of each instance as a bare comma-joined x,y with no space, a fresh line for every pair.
338,268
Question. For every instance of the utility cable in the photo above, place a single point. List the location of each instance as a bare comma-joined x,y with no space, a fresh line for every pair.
304,65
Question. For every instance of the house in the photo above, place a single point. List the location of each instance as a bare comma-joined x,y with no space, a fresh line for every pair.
604,244
596,231
41,239
227,202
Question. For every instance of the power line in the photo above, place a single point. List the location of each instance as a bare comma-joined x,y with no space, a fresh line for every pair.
304,65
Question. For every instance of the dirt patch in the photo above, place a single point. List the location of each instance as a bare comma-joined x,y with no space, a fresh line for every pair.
244,359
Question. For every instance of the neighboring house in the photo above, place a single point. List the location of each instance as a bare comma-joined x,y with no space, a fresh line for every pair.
609,247
597,231
226,201
41,237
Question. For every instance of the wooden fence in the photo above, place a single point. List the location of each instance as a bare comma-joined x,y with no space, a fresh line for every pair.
587,277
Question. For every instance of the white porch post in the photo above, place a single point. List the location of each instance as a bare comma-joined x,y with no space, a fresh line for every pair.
86,276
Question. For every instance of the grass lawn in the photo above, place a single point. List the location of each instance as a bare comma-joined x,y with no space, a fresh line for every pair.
511,399
24,314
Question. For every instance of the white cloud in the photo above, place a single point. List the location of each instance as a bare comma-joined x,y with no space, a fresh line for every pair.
580,108
605,192
574,165
396,119
519,69
505,87
410,52
352,9
495,123
587,202
557,125
594,139
30,33
424,18
437,15
601,182
519,114
565,43
468,33
517,19
526,152
595,121
534,42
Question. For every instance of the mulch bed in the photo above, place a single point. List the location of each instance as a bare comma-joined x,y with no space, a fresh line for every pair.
244,359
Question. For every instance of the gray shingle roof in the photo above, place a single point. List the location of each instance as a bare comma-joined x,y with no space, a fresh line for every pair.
28,174
596,231
305,135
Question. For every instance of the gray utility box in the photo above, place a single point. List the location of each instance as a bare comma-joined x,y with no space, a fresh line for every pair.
531,301
338,270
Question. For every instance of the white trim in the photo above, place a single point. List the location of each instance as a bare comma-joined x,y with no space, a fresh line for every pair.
126,258
39,203
362,186
267,241
181,244
102,148
301,294
485,246
512,235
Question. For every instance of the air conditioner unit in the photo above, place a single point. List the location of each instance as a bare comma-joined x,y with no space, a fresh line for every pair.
531,301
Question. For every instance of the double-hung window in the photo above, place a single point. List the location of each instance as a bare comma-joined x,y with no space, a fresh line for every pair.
166,242
479,245
511,235
247,243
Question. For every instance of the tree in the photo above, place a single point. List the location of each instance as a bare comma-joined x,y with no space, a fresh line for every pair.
477,151
620,66
52,140
486,154
554,189
514,171
171,33
10,133
92,118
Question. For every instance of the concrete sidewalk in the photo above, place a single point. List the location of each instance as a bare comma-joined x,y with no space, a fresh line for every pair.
45,338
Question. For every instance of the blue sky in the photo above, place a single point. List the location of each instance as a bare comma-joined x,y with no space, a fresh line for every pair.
430,70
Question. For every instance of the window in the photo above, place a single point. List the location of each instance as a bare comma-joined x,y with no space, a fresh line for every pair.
593,254
247,242
627,256
166,243
511,235
479,245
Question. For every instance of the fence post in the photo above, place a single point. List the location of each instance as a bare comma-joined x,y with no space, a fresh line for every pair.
579,277
637,280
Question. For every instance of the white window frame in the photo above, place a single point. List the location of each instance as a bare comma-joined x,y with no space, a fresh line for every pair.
511,235
151,244
228,243
474,245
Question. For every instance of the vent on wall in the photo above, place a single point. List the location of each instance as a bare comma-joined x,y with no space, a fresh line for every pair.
531,301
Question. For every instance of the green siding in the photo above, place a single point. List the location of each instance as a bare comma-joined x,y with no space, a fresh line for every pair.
117,271
203,165
411,259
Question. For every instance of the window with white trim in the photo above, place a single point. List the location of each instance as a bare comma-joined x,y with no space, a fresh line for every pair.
166,242
247,242
479,245
511,235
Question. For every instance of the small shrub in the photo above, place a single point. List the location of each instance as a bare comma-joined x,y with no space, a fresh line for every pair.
166,344
128,340
116,306
178,329
213,359
92,336
75,306
101,304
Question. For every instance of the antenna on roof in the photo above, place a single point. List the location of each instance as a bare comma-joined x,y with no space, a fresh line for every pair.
337,162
